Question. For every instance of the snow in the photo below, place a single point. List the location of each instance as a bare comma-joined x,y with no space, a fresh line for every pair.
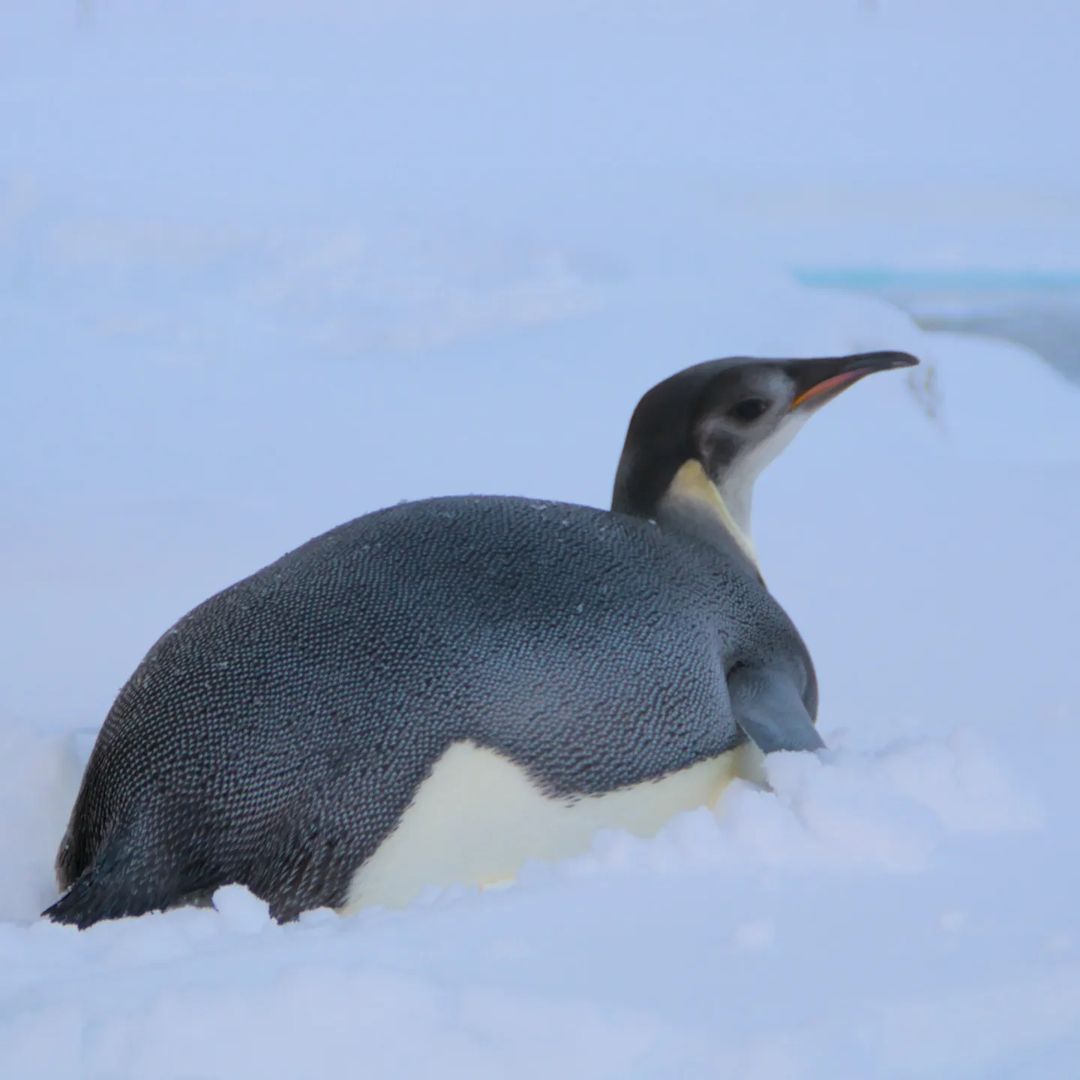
267,267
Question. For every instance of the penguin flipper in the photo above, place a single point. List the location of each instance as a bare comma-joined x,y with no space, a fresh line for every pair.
769,708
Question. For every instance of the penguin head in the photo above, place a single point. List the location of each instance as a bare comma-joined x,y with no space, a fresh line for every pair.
698,440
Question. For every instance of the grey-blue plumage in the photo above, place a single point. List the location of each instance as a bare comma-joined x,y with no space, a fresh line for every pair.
276,735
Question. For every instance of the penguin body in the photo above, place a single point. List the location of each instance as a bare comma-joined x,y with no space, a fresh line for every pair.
436,692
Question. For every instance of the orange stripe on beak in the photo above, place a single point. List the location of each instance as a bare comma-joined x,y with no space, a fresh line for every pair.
836,382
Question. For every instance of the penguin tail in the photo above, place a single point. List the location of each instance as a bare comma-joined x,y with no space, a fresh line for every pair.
114,884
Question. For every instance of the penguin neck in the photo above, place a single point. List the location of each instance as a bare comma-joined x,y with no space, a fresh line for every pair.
693,504
736,498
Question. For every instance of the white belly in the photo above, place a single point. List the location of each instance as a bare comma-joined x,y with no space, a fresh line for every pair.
478,818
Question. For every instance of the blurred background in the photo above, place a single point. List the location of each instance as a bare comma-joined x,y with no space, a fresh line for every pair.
268,266
265,267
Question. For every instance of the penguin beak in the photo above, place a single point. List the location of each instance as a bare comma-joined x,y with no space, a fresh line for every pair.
819,381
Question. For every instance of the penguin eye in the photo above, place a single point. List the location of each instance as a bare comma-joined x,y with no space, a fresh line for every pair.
749,409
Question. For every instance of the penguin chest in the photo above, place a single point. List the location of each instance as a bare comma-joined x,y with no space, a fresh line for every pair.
479,817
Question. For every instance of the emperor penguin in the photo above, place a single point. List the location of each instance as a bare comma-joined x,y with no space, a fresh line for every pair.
436,692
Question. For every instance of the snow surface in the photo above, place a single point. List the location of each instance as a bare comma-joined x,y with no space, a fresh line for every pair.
268,267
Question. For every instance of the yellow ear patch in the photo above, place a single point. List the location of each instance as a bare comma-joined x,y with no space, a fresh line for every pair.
692,484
